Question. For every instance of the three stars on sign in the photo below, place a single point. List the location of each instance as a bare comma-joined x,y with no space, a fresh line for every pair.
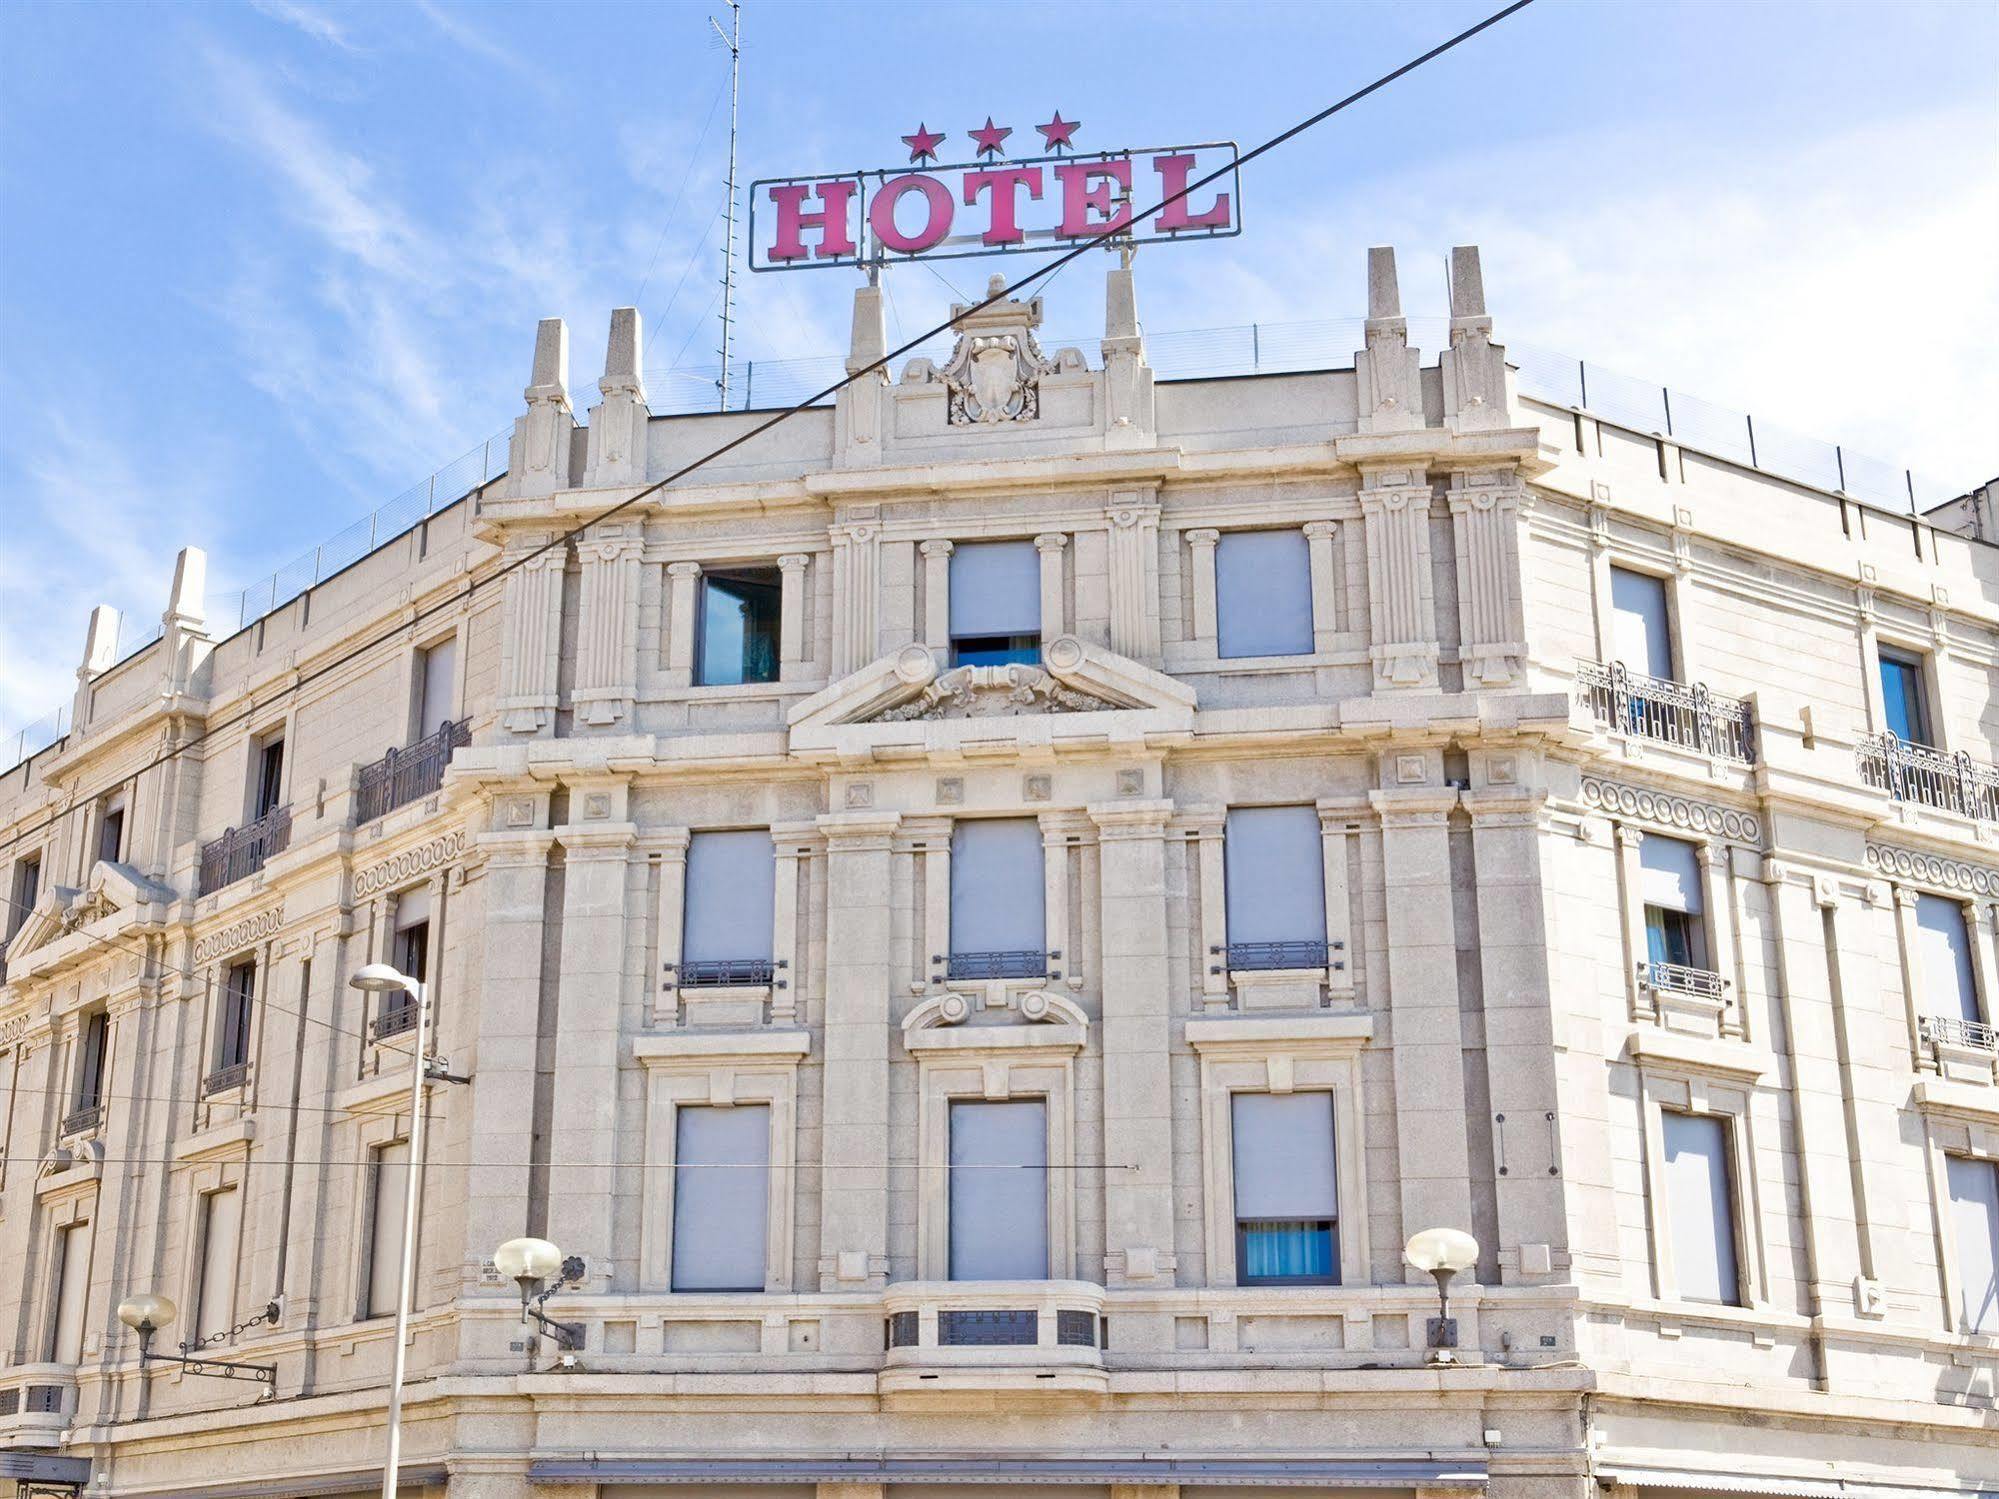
1056,136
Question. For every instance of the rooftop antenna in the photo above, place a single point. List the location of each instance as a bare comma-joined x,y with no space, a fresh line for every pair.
733,40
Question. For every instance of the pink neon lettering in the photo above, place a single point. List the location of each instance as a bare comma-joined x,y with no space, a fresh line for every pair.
1080,200
1004,228
1173,174
881,213
835,236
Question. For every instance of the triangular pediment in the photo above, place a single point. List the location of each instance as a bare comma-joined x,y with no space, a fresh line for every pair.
114,896
910,696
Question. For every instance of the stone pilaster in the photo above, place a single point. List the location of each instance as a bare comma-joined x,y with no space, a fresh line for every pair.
1492,626
1134,575
1201,544
1631,905
1136,1041
1054,619
856,595
853,1222
607,624
531,635
793,634
1319,536
683,589
937,594
1401,608
668,920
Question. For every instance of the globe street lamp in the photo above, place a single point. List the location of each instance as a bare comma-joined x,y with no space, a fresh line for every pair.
1442,1252
540,1270
147,1313
380,978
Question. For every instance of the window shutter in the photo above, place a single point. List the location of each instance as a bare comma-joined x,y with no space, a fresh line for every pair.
440,669
721,1197
1263,593
1945,946
731,893
412,908
385,1252
221,1226
997,894
1700,1208
1274,861
1669,874
999,1190
1974,1216
1639,632
1283,1152
72,1293
995,588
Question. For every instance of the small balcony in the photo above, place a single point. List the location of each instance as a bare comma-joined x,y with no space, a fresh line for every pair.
1683,978
241,852
1961,1050
406,775
36,1404
398,1018
1929,778
1683,715
225,1079
1013,1340
1262,957
82,1121
1021,963
726,973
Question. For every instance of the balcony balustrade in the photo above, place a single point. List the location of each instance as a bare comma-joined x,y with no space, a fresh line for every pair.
1683,978
1685,715
82,1121
726,973
406,775
397,1018
241,852
37,1402
222,1079
1032,1337
1023,963
1949,1030
1250,957
1916,773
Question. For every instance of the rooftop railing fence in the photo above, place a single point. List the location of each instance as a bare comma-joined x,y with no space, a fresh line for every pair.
1199,353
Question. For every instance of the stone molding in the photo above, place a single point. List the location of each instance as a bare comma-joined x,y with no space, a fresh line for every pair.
1670,810
410,863
1944,873
240,934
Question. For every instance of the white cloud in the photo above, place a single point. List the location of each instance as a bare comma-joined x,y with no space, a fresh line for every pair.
314,23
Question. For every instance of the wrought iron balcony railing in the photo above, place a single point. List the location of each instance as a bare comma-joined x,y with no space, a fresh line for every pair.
241,852
83,1121
1244,957
1683,978
1687,716
1949,1030
395,1020
1916,773
1021,963
405,775
718,973
222,1079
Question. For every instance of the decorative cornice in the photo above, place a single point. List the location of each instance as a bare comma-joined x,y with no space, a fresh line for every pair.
1932,869
239,934
410,863
1671,811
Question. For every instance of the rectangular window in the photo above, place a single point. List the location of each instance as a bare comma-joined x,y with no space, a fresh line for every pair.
995,603
738,639
1669,886
232,1022
1639,634
437,686
1945,947
111,828
27,890
1263,594
721,1197
270,771
1286,1189
411,953
93,1035
388,1190
1700,1208
70,1294
1904,697
221,1224
999,1190
1274,860
997,899
1974,1219
726,921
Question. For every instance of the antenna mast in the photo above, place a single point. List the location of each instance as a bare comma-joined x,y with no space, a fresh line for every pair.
733,40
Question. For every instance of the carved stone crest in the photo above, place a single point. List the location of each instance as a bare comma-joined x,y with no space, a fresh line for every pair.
993,692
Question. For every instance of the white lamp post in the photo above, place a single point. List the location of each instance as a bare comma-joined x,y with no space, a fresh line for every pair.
380,978
1442,1252
540,1270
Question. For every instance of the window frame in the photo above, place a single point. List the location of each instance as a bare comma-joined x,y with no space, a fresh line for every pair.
737,572
1222,539
1956,1284
961,833
263,797
59,1285
1333,1224
239,1004
987,649
1668,1086
1920,665
113,826
371,1173
92,1058
1669,601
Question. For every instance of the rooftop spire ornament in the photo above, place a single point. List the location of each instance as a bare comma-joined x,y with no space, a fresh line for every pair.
1056,134
991,140
923,145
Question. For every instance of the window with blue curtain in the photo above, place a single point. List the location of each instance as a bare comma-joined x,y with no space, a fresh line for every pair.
1286,1189
1902,698
1263,594
1669,883
995,604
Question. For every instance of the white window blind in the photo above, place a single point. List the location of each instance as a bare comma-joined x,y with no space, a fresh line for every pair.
721,1197
1274,862
72,1291
221,1227
731,892
385,1243
995,588
996,886
440,670
1700,1208
1263,594
1669,874
1639,633
1945,948
999,1190
1974,1217
1283,1154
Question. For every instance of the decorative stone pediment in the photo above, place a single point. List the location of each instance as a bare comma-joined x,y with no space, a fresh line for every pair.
993,692
115,896
1001,1018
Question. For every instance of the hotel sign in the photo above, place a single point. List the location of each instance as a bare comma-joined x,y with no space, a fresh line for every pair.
990,205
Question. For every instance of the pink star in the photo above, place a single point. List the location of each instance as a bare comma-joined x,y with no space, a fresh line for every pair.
1055,135
923,145
991,139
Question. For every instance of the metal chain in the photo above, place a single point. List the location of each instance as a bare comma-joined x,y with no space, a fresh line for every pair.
268,1314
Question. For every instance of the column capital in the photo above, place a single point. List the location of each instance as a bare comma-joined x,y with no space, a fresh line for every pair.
1202,536
1628,836
794,562
683,569
1321,530
1048,541
937,548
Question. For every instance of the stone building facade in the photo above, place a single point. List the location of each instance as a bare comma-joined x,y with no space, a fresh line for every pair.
986,916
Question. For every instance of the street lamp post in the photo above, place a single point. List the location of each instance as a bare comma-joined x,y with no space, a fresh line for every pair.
1442,1253
381,978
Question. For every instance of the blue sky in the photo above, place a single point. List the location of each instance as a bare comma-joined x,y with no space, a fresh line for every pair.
263,265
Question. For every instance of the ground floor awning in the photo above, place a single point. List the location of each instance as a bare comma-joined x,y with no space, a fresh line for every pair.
1317,1473
1788,1487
